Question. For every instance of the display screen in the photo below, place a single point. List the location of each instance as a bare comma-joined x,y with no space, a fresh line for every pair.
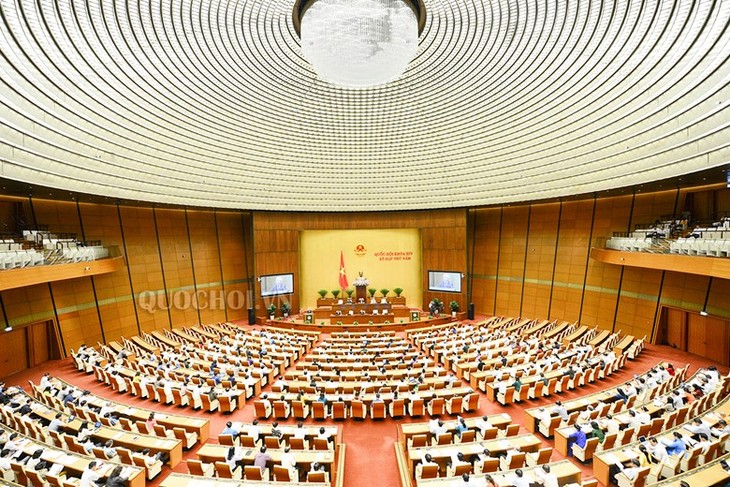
275,284
444,281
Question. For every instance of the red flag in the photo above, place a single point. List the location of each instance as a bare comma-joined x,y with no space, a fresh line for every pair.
343,275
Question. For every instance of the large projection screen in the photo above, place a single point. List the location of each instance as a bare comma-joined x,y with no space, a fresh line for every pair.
388,258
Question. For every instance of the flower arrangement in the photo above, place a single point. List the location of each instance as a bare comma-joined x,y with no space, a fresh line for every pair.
398,291
454,306
286,308
335,293
435,307
372,291
271,309
384,291
339,322
322,293
349,292
361,281
355,323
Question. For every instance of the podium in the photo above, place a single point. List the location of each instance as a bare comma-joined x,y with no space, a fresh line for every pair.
361,292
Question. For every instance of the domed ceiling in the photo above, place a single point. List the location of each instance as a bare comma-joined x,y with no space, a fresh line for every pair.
210,103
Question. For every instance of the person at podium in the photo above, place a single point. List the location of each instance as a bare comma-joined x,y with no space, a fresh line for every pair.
445,282
278,286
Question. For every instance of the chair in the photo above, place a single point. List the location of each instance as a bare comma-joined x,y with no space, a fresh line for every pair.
254,473
226,404
224,471
282,474
299,410
417,441
35,479
377,410
152,392
471,402
99,453
162,432
298,444
535,391
247,441
321,444
608,443
125,455
639,481
488,465
586,453
690,459
467,437
227,440
488,434
188,438
19,471
625,437
339,410
152,470
416,408
712,452
443,439
514,461
540,457
319,410
208,404
262,409
424,472
549,429
459,470
507,397
318,477
282,409
436,407
454,405
196,467
357,410
272,442
178,399
510,430
397,408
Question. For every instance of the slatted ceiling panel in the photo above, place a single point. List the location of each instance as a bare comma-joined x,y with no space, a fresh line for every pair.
505,101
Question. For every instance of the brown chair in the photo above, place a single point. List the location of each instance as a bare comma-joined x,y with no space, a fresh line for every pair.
319,410
516,460
282,409
261,410
507,397
247,441
416,408
488,465
436,407
321,444
428,472
586,453
339,410
377,410
188,438
454,405
461,469
224,471
272,442
467,437
253,472
299,410
471,402
282,474
317,477
196,467
357,410
227,440
511,430
443,439
639,481
608,442
208,404
178,399
152,470
417,440
397,408
226,404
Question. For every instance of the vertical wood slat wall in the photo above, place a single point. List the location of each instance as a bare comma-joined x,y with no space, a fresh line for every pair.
577,288
158,255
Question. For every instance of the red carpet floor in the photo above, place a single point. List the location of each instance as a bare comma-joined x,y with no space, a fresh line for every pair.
370,456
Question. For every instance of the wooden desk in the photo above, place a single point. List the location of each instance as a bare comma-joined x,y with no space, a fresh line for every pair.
577,334
565,470
191,424
707,475
182,480
76,464
439,454
361,319
623,345
600,338
387,398
603,461
407,430
209,453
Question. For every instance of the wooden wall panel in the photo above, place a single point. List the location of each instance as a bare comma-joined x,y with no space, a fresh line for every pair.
10,363
145,268
539,264
206,263
512,250
237,260
484,240
78,317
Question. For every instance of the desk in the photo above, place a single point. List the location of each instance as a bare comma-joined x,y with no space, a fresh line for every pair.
623,345
182,480
191,424
568,339
407,430
603,461
439,454
386,397
361,319
209,453
565,470
703,476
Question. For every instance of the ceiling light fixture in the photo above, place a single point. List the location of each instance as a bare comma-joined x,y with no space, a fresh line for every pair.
359,43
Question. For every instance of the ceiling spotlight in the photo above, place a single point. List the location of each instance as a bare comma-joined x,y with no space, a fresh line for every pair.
8,328
703,313
359,43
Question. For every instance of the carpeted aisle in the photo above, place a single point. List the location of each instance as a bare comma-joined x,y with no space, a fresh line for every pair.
370,457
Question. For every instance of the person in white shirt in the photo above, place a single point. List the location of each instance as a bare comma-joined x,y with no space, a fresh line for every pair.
657,449
545,477
299,431
482,424
519,479
698,427
289,462
440,429
90,475
56,423
254,430
560,410
45,381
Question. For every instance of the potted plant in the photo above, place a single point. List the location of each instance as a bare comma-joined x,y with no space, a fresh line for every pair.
286,309
272,311
372,291
454,308
398,299
323,301
435,307
335,293
349,292
322,293
385,292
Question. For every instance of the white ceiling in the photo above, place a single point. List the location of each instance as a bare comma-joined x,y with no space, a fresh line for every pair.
208,102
